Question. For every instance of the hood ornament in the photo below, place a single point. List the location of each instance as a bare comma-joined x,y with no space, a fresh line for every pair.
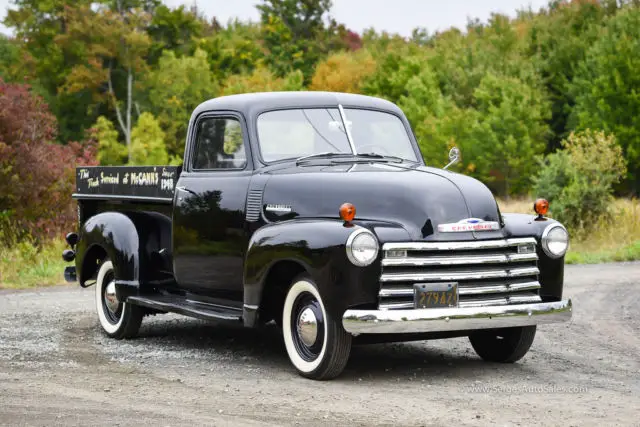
454,157
469,224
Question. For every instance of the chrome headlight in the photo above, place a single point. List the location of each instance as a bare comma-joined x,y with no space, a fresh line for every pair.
362,247
555,240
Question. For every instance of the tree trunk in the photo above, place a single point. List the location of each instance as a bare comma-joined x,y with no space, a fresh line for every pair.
129,102
125,126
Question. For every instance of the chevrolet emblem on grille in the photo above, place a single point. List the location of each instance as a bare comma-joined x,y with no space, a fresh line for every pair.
469,224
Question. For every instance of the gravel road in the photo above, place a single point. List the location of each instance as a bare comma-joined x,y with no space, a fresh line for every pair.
57,368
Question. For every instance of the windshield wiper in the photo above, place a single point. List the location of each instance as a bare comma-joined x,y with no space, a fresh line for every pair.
326,154
368,156
381,156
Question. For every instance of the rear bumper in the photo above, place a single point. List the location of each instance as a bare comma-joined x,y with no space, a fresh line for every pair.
454,319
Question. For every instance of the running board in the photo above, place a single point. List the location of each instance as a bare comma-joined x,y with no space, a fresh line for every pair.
188,307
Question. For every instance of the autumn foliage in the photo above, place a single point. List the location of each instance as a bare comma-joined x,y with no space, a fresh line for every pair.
37,176
508,91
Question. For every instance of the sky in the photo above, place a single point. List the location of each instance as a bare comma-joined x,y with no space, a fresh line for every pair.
395,16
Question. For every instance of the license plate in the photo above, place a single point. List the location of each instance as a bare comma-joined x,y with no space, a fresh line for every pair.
435,295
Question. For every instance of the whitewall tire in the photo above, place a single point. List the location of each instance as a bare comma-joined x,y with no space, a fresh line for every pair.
117,319
317,344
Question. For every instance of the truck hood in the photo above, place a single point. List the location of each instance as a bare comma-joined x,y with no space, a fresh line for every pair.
416,198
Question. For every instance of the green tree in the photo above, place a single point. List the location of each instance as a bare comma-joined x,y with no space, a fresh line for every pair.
578,181
510,133
176,30
305,18
10,58
295,33
558,40
147,142
433,116
111,46
234,49
501,139
110,151
36,24
607,87
461,60
175,88
395,68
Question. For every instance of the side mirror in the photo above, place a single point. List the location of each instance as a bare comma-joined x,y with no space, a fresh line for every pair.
454,157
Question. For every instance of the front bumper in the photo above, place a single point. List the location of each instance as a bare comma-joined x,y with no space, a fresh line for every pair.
454,319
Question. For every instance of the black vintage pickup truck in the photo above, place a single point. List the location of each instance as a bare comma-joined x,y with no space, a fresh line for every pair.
316,211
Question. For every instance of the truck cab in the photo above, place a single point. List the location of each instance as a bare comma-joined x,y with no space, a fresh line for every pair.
315,210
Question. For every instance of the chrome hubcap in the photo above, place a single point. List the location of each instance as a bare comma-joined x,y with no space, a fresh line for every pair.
110,298
308,327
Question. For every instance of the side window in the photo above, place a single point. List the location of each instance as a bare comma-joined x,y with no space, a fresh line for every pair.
219,144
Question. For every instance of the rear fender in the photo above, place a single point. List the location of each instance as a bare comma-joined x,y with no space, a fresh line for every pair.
117,235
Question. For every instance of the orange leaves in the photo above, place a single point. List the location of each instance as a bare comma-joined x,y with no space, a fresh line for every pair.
343,72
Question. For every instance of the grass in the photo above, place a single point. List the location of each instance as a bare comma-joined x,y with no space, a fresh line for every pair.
616,239
25,266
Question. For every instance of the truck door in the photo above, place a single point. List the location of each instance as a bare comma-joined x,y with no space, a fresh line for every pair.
209,233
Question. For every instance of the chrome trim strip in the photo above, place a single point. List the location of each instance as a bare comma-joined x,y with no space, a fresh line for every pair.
522,299
398,292
467,290
80,196
459,260
485,302
396,305
507,299
278,208
452,246
493,289
459,275
454,319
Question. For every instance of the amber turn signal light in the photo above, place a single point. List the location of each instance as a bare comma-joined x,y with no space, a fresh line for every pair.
541,206
347,212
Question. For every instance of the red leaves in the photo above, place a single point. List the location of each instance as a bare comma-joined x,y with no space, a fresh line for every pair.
24,117
352,40
37,176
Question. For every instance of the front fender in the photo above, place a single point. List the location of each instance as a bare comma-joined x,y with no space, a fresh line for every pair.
117,235
551,270
318,246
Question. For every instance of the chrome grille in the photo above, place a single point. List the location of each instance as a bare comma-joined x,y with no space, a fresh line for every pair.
490,272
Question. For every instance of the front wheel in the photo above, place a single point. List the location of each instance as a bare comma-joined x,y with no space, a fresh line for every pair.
503,345
317,344
118,319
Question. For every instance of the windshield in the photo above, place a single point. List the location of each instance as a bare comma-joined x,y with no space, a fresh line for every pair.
295,133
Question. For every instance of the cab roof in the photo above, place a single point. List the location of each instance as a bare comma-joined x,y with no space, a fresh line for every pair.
252,104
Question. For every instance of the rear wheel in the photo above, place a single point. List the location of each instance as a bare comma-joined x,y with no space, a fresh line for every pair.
118,319
317,344
503,345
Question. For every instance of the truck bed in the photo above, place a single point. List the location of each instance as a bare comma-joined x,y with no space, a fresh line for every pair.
154,184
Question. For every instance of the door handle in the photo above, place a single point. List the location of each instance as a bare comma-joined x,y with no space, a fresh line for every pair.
187,190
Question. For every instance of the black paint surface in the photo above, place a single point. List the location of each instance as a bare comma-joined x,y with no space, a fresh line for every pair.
218,234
